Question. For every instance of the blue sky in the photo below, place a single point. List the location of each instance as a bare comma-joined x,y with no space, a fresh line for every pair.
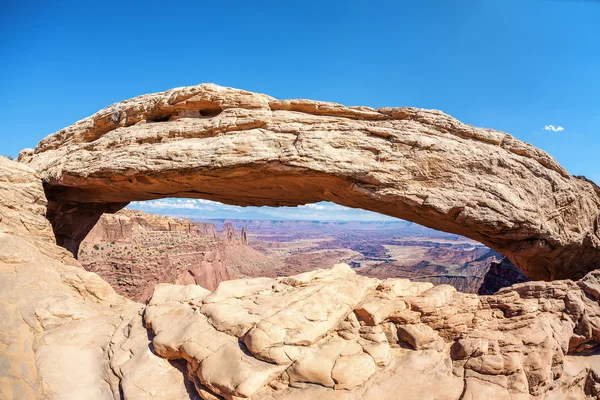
198,208
513,65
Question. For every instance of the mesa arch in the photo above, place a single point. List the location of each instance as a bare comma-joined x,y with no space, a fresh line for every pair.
244,148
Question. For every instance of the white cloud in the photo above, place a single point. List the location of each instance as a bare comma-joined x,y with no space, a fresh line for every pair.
212,209
324,206
190,204
554,128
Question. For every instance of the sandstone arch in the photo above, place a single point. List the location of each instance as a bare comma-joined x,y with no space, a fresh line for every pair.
244,148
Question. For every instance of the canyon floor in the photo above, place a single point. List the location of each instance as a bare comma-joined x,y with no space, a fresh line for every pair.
380,249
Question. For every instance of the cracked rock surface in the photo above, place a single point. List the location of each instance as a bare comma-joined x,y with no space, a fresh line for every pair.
245,148
380,339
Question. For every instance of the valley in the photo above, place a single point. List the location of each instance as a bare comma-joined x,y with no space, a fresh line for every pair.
134,251
381,249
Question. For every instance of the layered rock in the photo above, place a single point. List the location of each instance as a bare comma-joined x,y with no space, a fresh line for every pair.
126,224
244,148
466,277
228,233
133,251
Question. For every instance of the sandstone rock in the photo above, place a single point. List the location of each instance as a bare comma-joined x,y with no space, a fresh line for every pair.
228,233
244,148
510,345
302,323
327,336
142,373
23,205
352,370
216,358
56,317
420,337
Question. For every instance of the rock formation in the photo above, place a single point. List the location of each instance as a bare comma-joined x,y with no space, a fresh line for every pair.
500,274
133,251
333,334
123,225
327,334
244,148
464,269
228,233
64,332
244,236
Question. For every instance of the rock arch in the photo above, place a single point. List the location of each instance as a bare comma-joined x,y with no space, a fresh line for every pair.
243,148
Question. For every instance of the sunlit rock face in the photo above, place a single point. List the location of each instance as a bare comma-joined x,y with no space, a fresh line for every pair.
329,333
244,148
64,332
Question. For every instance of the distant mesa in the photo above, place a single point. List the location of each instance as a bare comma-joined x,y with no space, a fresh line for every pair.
134,251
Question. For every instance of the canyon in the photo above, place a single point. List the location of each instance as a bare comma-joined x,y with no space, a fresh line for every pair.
133,251
328,333
379,249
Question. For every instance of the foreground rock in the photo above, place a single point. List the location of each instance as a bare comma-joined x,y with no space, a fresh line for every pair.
334,334
244,148
64,332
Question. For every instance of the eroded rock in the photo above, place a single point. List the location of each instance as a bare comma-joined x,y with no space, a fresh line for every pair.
510,345
64,332
326,334
133,251
244,148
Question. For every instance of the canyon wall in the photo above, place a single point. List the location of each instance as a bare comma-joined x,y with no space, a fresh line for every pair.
134,251
500,274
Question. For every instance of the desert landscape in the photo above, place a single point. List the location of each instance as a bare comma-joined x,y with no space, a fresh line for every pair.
281,200
134,251
335,332
390,249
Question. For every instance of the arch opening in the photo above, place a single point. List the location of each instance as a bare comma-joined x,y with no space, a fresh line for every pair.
185,241
272,184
